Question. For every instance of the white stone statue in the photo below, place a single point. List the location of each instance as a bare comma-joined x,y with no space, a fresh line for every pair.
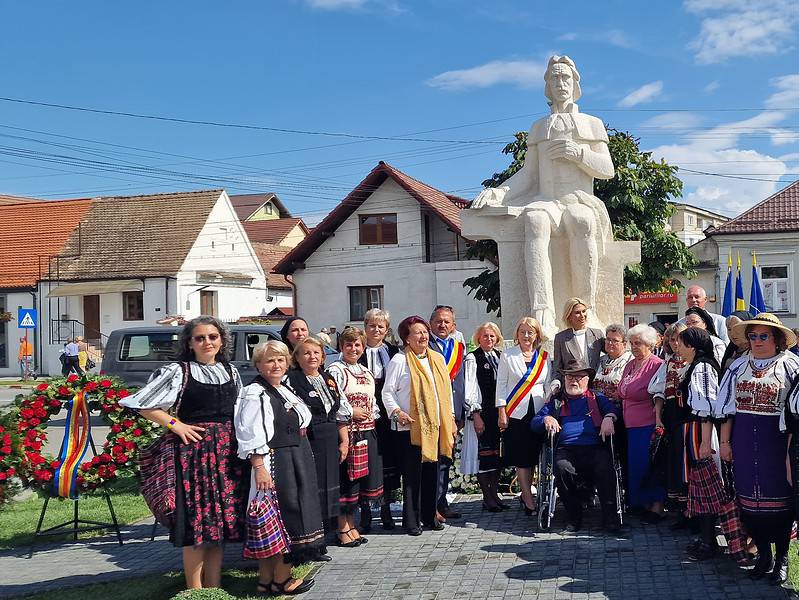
554,193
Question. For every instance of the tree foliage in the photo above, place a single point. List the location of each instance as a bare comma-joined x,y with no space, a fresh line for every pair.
638,199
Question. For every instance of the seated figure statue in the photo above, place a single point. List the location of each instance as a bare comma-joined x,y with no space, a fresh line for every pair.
566,151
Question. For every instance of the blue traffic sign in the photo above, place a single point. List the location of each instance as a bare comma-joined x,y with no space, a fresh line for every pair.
26,318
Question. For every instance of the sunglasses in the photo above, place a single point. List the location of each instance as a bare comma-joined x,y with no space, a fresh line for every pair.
758,336
212,337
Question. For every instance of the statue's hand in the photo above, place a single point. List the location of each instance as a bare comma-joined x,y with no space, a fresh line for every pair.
565,149
490,197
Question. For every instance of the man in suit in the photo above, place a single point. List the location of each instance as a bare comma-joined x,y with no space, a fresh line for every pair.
696,295
446,340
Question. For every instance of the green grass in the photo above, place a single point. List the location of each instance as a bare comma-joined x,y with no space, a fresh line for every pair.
18,519
239,584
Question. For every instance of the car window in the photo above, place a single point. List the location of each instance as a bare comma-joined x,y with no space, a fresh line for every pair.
149,347
253,338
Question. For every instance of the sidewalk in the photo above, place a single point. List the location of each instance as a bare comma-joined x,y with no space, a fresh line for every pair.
483,555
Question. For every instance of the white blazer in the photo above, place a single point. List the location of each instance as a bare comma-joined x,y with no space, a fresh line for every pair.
511,369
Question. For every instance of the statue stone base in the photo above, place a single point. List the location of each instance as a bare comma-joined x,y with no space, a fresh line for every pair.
506,225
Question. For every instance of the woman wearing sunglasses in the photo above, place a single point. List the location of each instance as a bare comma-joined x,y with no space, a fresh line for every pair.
194,399
752,397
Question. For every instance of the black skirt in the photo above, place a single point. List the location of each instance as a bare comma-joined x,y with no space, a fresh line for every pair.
387,447
521,445
298,498
324,444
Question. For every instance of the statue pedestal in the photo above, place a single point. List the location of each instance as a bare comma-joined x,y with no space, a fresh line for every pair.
503,224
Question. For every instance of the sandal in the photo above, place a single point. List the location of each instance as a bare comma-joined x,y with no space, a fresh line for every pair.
351,544
263,589
279,589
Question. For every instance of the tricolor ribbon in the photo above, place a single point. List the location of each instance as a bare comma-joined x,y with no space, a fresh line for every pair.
453,356
525,385
77,437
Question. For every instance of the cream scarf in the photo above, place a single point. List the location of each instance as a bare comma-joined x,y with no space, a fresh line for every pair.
432,427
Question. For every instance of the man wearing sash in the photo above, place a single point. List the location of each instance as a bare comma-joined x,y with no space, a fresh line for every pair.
447,341
583,421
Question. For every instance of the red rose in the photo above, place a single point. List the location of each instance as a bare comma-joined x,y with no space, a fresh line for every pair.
55,464
34,422
104,458
72,378
137,432
35,459
6,449
106,383
37,404
43,475
127,423
122,459
95,461
42,387
26,413
111,394
63,391
86,466
6,439
116,428
90,386
11,471
2,429
54,403
112,468
2,476
129,445
40,412
80,480
123,393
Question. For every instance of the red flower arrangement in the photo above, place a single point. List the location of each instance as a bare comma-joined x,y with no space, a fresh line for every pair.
128,432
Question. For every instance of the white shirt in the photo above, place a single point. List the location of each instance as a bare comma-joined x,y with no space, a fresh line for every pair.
397,387
376,358
582,340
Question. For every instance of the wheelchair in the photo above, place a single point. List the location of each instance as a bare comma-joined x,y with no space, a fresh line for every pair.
547,492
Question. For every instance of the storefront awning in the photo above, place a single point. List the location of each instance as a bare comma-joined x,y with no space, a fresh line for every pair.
89,288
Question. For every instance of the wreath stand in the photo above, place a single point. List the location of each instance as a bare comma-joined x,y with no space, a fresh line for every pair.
74,524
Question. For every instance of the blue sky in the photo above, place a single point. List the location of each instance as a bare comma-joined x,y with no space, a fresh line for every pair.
711,85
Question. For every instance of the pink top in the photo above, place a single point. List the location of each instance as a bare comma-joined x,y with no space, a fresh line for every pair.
638,407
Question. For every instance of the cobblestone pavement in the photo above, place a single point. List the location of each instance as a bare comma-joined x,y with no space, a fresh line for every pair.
483,555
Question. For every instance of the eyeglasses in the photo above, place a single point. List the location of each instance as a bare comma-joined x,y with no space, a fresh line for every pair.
576,376
212,337
610,341
758,336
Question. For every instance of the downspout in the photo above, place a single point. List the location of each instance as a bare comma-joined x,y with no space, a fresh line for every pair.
37,356
295,306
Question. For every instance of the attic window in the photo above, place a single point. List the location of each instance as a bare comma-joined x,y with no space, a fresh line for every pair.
377,229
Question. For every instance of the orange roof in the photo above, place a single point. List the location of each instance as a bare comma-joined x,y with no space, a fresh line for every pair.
272,231
31,233
269,255
777,213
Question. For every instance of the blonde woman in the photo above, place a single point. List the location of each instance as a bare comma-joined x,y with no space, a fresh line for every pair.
481,432
577,341
524,379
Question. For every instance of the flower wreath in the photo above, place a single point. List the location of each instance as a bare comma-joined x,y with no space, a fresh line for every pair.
129,432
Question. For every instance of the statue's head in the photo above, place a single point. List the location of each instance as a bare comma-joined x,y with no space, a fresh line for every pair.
562,80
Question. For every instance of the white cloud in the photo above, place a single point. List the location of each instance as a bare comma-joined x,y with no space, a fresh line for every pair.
568,37
788,94
521,73
672,120
712,86
614,37
645,93
742,28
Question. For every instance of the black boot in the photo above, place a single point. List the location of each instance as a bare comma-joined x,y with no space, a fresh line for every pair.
365,526
385,516
764,564
780,573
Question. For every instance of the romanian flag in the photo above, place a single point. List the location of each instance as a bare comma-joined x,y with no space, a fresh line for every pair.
756,303
740,303
77,437
727,309
453,356
525,385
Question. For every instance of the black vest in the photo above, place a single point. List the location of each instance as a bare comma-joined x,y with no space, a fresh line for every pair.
286,422
486,380
307,393
207,402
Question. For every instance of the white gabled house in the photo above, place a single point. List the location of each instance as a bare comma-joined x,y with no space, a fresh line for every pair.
393,243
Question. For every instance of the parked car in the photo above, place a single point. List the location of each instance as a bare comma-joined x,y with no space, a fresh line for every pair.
133,354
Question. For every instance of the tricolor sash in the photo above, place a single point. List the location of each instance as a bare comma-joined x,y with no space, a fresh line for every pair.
525,385
453,356
77,436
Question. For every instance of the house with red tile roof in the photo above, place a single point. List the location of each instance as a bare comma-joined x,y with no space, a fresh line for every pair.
395,243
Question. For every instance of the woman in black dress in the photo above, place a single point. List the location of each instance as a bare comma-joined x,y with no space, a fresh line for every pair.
271,426
329,443
376,357
293,331
200,391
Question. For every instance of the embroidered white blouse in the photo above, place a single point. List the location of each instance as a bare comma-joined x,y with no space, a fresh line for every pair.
336,371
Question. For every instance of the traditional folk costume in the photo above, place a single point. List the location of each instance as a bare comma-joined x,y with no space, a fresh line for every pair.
420,387
271,421
357,384
676,415
210,489
376,359
328,407
608,375
522,388
481,453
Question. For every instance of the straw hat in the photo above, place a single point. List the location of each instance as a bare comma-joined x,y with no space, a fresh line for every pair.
738,333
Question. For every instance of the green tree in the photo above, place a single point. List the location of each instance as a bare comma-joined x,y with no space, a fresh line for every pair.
638,199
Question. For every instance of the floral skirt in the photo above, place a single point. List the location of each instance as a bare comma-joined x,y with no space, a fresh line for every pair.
211,489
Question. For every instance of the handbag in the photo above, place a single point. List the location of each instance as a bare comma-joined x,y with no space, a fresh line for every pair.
157,470
358,455
266,534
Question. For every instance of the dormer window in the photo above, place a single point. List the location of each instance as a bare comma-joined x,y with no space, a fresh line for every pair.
377,229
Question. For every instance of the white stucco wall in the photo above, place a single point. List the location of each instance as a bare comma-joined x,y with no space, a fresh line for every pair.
9,342
410,286
222,246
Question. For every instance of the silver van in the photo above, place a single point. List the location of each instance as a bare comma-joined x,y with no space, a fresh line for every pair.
133,354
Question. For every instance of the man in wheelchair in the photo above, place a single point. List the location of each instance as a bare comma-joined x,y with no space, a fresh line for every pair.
582,420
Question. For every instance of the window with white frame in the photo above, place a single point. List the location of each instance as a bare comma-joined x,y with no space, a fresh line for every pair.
689,219
364,298
776,288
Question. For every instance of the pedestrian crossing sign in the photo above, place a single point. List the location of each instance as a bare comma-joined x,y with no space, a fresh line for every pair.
26,318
